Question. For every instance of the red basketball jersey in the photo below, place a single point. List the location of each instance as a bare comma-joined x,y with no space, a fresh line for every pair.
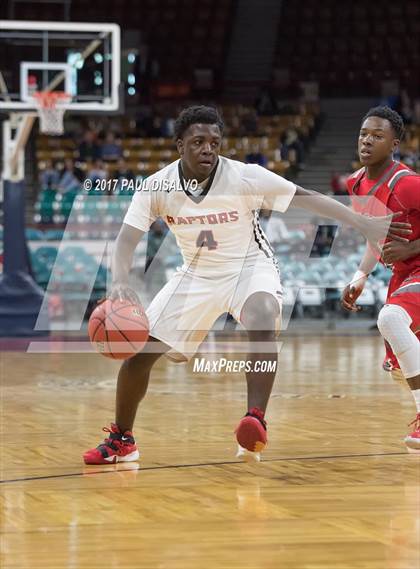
398,188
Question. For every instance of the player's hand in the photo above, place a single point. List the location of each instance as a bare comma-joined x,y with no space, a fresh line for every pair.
123,292
351,293
394,251
377,229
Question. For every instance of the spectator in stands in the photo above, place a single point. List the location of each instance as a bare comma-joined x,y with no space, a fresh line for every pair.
150,125
256,156
249,123
89,149
411,158
233,127
410,149
50,176
169,127
123,172
111,149
97,172
291,147
70,177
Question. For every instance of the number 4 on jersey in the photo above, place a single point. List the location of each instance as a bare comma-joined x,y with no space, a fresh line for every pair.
206,239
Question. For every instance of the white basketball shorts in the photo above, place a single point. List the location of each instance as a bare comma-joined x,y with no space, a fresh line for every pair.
185,309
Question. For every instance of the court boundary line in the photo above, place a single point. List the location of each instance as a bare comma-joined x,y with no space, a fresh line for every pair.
197,465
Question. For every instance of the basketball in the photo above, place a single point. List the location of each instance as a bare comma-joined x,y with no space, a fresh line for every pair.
118,329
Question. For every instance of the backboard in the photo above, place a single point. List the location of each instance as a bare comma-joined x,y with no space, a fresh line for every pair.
79,58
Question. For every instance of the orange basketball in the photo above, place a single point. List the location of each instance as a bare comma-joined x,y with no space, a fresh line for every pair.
118,329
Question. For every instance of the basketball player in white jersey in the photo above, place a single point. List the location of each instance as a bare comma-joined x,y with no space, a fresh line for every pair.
211,204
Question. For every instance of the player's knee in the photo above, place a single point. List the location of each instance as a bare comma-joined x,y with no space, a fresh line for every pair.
383,322
260,312
392,318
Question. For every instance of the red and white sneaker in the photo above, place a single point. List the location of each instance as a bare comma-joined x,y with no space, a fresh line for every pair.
251,434
118,447
392,366
412,440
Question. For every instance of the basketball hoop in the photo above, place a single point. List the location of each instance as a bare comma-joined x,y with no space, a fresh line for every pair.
51,108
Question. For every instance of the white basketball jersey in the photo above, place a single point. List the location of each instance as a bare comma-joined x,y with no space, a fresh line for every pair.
218,231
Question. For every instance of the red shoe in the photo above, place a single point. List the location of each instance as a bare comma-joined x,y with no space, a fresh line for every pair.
389,364
392,366
390,361
412,440
251,434
118,447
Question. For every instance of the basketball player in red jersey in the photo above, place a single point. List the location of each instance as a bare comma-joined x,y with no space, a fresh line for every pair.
228,266
395,186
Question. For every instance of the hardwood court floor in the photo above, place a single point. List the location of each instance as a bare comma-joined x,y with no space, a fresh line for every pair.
336,490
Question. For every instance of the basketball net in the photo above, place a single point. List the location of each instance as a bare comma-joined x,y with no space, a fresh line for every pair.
50,107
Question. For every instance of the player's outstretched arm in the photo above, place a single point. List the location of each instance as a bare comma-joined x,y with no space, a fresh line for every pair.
373,228
122,259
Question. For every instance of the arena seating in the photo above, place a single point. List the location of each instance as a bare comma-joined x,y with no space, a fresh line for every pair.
316,281
350,48
73,271
144,156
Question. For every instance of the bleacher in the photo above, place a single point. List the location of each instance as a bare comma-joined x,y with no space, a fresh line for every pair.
350,48
312,286
410,147
89,219
144,156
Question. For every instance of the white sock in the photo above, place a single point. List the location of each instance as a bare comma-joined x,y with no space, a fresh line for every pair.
416,395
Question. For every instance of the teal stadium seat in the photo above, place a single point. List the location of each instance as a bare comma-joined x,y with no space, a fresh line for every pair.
67,202
34,234
53,234
44,206
73,272
42,261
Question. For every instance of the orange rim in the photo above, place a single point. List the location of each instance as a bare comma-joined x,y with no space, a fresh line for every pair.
49,99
